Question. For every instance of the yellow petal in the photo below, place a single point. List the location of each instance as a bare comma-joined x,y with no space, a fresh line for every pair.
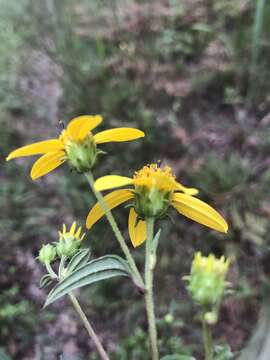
41,147
78,233
137,230
118,135
72,228
113,199
80,126
199,211
64,229
188,191
47,163
111,182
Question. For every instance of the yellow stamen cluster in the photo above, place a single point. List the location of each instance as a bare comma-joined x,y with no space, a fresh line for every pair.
153,175
210,264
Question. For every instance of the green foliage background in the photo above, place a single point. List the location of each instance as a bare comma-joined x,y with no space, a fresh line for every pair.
194,75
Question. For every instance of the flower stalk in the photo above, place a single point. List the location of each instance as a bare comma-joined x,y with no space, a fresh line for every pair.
89,328
117,232
207,340
150,260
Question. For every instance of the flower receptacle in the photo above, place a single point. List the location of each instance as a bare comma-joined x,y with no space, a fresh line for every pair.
82,155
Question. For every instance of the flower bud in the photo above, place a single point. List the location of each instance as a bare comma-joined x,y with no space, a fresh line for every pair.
69,241
168,318
82,154
47,254
211,317
207,279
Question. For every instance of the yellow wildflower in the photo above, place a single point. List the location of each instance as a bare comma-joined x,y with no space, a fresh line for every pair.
155,189
76,144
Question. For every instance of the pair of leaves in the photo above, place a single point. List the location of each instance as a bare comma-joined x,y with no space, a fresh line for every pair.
81,273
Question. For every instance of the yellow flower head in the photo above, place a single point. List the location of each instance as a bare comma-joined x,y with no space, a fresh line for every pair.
207,279
76,144
71,233
154,190
69,241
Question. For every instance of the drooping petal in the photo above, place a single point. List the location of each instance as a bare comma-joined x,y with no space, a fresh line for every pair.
118,135
80,126
137,229
188,191
199,211
113,199
47,163
112,181
41,147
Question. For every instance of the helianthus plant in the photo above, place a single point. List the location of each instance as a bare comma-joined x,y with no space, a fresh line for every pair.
154,190
151,192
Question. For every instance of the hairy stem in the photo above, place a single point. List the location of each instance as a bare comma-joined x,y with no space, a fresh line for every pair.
150,259
117,233
90,330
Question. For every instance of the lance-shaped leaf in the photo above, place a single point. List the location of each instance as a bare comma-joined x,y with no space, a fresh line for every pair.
103,268
78,260
45,281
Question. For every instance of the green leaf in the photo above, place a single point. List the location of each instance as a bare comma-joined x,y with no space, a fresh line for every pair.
78,260
45,281
99,269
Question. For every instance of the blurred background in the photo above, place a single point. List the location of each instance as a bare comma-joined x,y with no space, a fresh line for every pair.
194,75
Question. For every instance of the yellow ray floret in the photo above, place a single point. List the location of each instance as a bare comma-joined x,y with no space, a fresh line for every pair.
76,233
199,211
137,229
74,141
113,199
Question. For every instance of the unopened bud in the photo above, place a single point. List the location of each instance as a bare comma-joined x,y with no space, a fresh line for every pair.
47,254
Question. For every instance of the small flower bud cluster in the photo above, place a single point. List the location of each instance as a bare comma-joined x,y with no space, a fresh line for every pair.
68,244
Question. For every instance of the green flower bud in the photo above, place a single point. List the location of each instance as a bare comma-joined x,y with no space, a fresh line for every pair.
47,254
211,317
69,241
207,279
82,154
168,318
67,246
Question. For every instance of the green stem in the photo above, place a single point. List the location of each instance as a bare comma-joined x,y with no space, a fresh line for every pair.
115,228
207,340
90,330
150,260
50,270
